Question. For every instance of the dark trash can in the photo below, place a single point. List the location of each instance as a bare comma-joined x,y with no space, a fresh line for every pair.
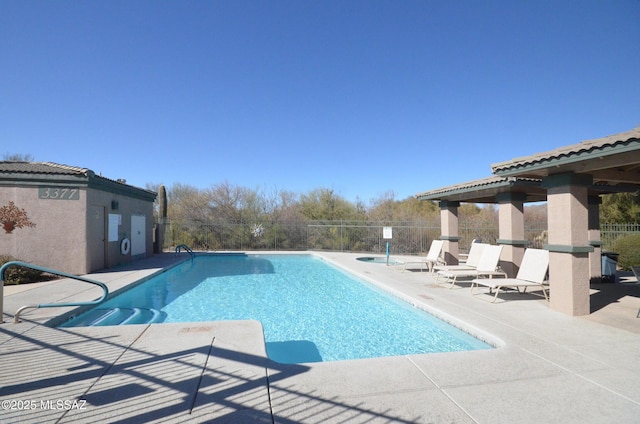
609,266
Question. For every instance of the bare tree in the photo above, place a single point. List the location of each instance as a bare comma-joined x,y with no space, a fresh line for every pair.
17,157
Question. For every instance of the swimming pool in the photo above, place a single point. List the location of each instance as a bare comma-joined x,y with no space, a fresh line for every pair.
310,310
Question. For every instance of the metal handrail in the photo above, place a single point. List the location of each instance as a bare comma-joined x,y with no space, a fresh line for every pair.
185,247
16,318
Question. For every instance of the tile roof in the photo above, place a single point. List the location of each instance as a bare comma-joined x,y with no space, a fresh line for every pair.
46,171
483,182
613,161
484,190
21,167
613,144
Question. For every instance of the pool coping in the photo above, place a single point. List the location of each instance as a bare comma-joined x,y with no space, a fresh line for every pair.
550,367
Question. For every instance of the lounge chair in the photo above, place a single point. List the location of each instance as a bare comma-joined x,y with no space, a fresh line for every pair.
636,272
475,252
487,267
532,273
432,258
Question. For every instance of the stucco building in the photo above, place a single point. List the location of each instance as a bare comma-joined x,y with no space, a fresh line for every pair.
83,222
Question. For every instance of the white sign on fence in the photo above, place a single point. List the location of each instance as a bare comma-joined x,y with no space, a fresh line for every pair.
387,233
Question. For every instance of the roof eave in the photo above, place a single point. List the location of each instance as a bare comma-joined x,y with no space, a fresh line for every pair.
106,184
484,191
539,166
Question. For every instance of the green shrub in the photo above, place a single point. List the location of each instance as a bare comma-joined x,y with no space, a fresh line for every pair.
19,275
629,249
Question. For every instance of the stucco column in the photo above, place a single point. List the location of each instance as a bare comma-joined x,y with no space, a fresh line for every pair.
595,257
568,216
511,231
449,230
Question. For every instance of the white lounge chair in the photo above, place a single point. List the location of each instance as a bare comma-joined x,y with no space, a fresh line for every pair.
636,272
432,258
475,252
532,273
487,267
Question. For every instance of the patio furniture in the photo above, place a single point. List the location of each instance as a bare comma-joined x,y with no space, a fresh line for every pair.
432,258
487,267
532,273
475,252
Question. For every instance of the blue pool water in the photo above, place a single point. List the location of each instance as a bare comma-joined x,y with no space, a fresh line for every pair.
310,310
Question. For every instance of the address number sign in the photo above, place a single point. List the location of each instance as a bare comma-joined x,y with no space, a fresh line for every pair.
59,193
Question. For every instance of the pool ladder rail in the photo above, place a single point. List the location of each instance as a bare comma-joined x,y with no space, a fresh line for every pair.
16,318
186,248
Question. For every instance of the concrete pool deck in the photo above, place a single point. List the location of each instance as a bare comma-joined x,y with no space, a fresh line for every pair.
547,367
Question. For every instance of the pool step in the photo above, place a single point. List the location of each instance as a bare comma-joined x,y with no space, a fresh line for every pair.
120,316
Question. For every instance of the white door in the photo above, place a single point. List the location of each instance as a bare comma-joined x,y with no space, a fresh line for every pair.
138,235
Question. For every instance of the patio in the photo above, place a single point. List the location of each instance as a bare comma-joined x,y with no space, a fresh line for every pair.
548,366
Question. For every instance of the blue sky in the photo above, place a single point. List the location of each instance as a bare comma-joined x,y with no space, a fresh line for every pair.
362,97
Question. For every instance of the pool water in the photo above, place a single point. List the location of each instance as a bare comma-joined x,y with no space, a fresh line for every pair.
310,311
